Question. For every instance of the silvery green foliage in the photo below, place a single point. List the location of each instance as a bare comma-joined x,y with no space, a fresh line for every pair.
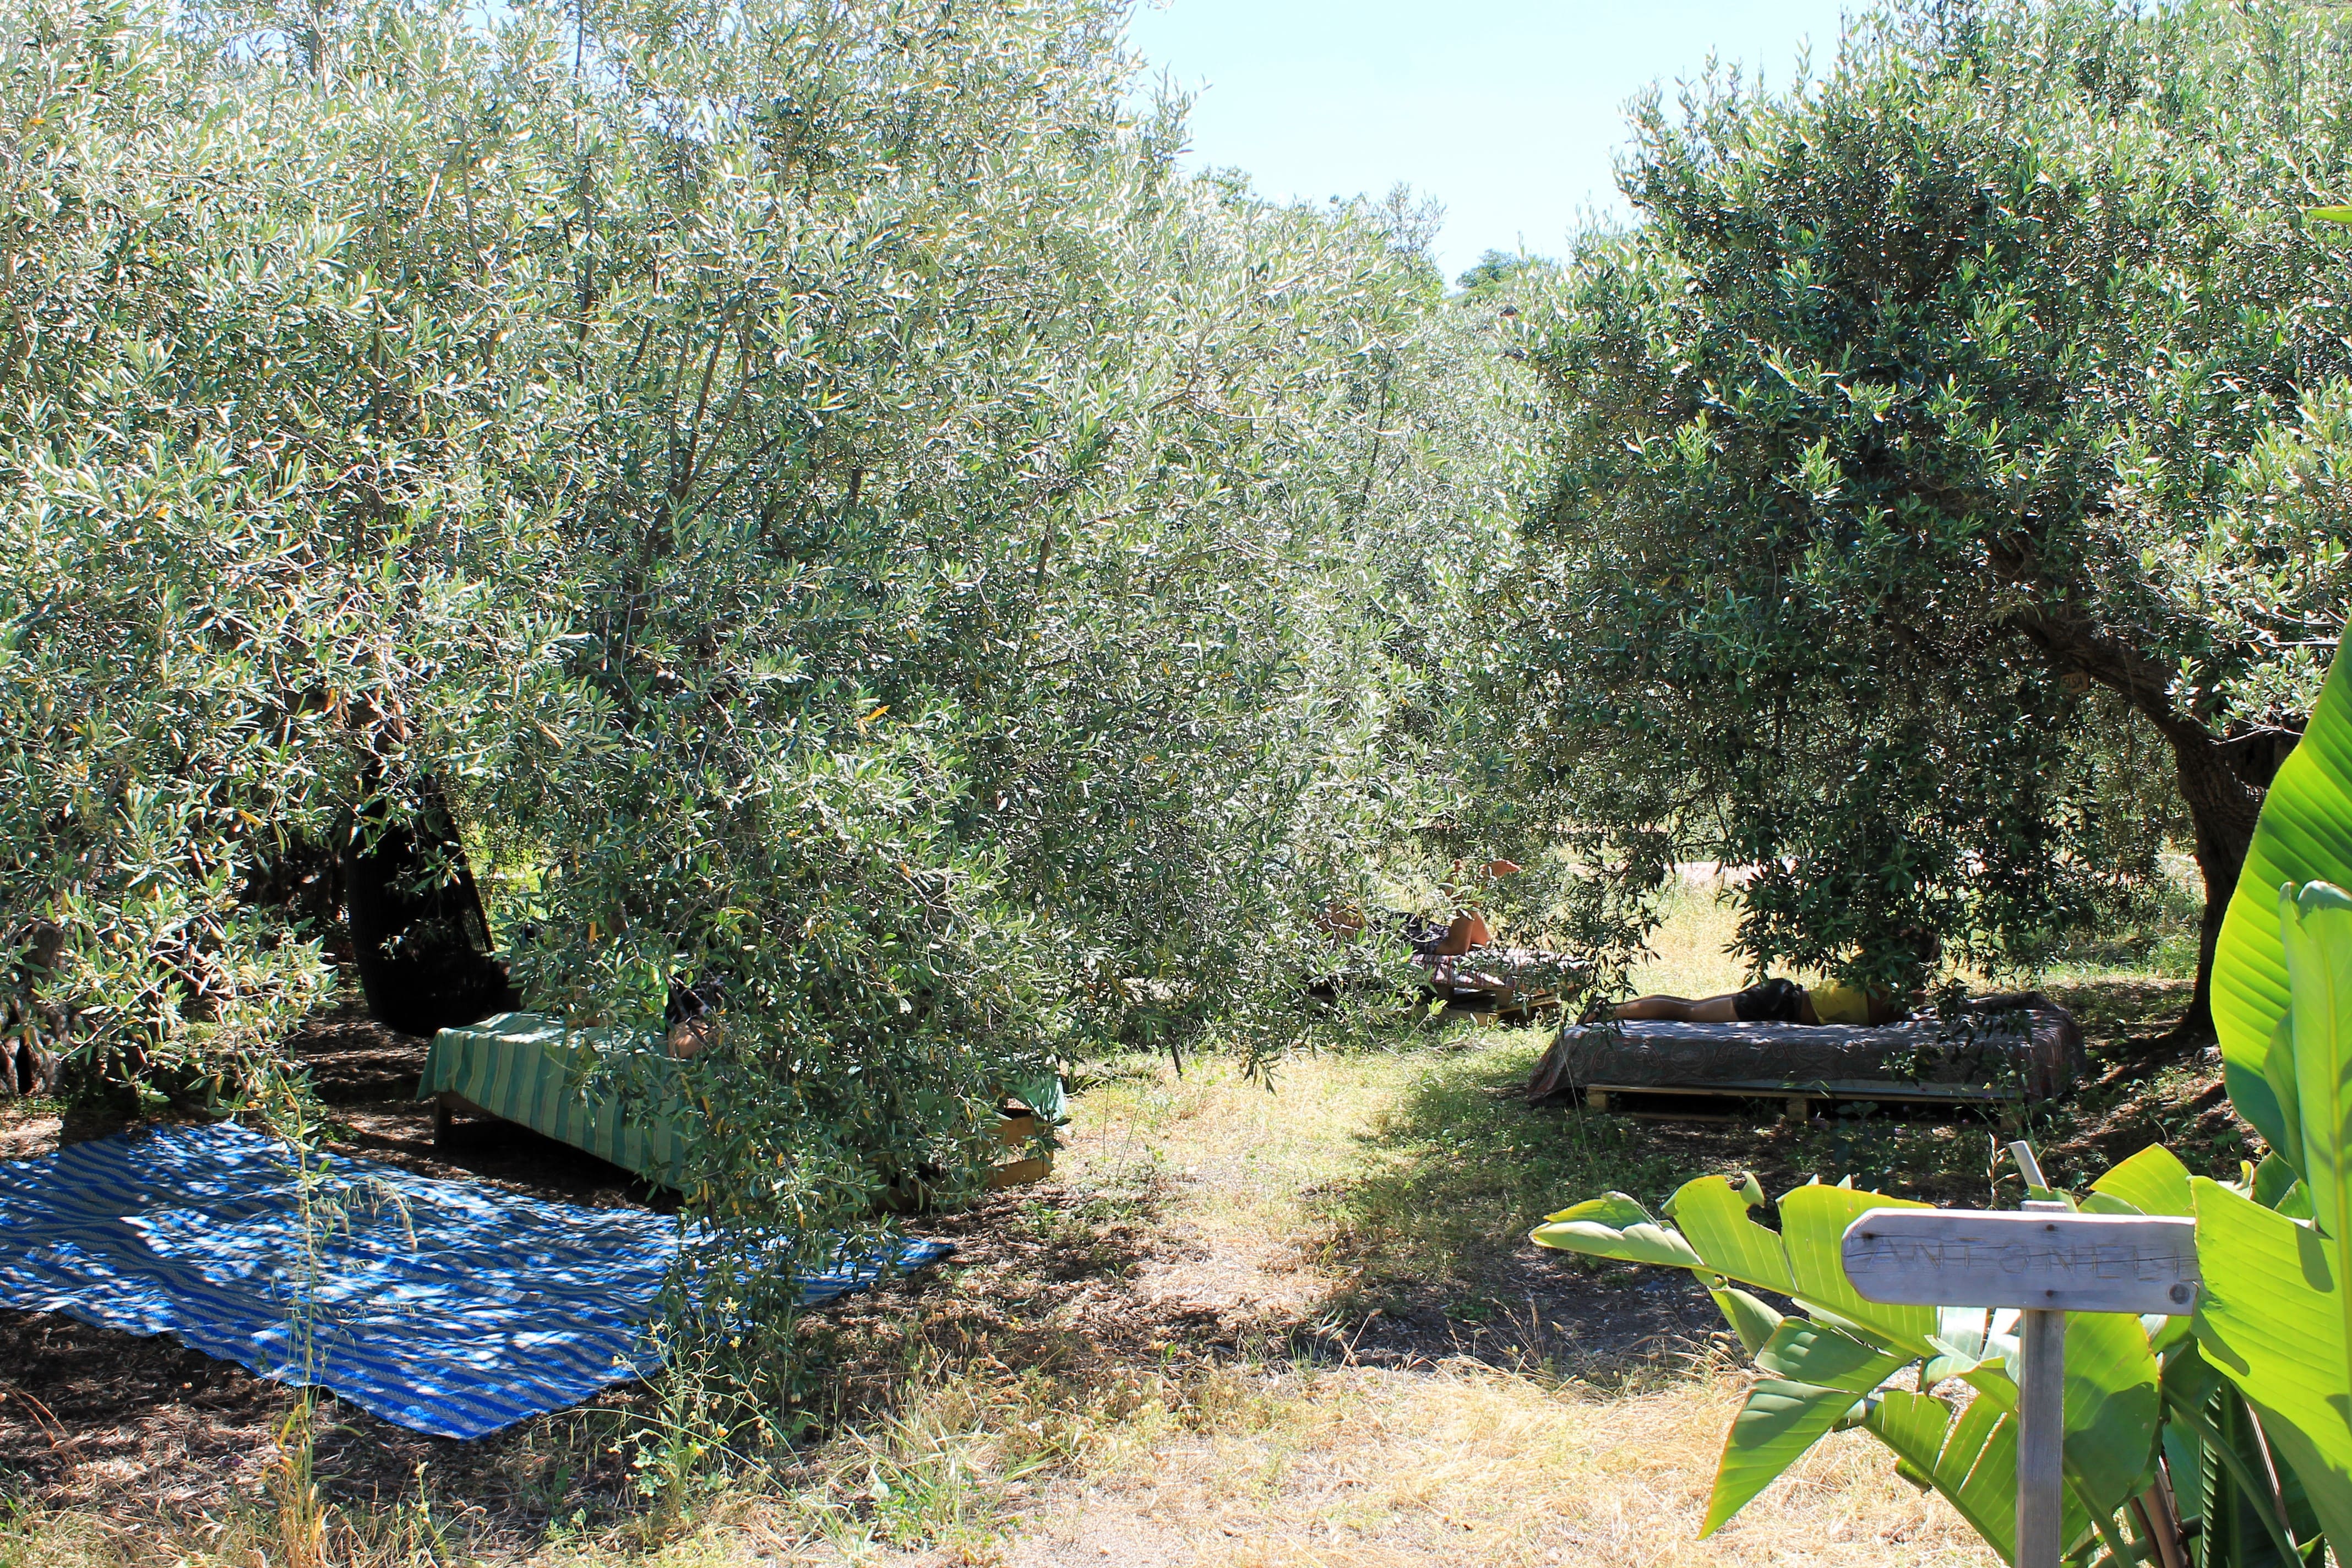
831,507
1944,415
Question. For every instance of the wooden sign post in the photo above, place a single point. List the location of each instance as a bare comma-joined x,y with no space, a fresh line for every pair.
2047,1261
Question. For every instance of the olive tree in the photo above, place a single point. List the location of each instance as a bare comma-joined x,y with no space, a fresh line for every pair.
832,514
1943,422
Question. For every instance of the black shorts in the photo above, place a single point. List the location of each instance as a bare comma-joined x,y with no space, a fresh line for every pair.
1770,1002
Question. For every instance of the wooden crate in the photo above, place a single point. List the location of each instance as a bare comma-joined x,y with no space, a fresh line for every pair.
1013,1130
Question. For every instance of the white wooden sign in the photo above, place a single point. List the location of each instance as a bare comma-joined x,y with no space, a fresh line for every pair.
2046,1261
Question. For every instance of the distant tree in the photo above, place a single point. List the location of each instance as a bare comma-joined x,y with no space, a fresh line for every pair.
1494,268
1940,425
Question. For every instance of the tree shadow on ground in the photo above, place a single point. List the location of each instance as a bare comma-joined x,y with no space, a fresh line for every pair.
1433,1230
2122,1013
1435,1227
137,1430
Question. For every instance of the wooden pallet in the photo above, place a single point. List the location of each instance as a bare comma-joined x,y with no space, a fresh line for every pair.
1797,1101
1524,1008
447,1106
1014,1129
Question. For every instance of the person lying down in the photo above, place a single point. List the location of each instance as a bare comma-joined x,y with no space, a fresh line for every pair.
1780,1000
1775,1001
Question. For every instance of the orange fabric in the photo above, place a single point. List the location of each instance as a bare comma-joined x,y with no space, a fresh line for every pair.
1468,931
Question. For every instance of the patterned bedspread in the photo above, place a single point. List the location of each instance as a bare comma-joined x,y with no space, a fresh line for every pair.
2030,1052
448,1307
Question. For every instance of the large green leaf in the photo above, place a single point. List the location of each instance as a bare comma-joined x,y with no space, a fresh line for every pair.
1713,1217
1971,1458
1615,1225
2279,1185
2275,1314
2151,1182
2221,1476
1753,1321
1779,1422
1813,1369
2271,1317
2315,927
2113,1405
2299,1460
1615,1210
1826,1357
2304,835
1814,1220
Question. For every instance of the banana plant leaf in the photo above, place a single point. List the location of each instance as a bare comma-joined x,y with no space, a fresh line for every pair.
2221,1478
2304,835
2115,1405
2151,1182
1970,1458
1712,1215
1753,1321
2275,1314
1615,1225
1778,1421
1813,1221
1815,1368
2271,1317
2312,1076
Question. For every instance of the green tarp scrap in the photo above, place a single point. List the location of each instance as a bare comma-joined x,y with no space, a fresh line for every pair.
562,1082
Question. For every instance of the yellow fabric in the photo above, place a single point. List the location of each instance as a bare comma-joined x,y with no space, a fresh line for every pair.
1840,1004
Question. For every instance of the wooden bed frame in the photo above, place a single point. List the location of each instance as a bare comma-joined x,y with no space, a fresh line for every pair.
1797,1101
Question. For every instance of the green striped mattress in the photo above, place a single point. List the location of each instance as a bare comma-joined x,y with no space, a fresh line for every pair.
534,1070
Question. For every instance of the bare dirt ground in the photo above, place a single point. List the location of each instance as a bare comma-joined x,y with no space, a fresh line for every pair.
1240,1326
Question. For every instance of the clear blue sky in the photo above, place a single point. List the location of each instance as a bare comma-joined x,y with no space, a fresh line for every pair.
1508,111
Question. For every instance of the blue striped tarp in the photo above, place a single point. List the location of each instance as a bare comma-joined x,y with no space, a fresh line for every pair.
446,1308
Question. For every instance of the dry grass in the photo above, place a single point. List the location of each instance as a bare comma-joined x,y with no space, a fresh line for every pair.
1265,1461
1335,1260
1469,1465
1690,951
1337,1466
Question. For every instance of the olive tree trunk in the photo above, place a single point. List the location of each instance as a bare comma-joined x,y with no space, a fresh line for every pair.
2222,777
420,938
2223,806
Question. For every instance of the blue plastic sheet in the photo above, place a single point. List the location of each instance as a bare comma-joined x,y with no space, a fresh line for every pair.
446,1308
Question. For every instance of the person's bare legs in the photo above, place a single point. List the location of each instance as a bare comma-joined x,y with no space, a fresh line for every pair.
1679,1009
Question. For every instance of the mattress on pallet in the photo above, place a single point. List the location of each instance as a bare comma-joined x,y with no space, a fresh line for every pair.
568,1083
571,1084
2029,1052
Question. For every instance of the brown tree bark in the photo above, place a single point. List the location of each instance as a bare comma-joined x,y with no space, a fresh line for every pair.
420,937
2222,777
2223,805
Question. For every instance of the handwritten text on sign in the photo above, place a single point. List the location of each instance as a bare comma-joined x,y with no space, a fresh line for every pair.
2065,1262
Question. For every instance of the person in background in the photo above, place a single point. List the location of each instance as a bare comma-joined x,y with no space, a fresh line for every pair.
1774,1001
695,1016
1781,1001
